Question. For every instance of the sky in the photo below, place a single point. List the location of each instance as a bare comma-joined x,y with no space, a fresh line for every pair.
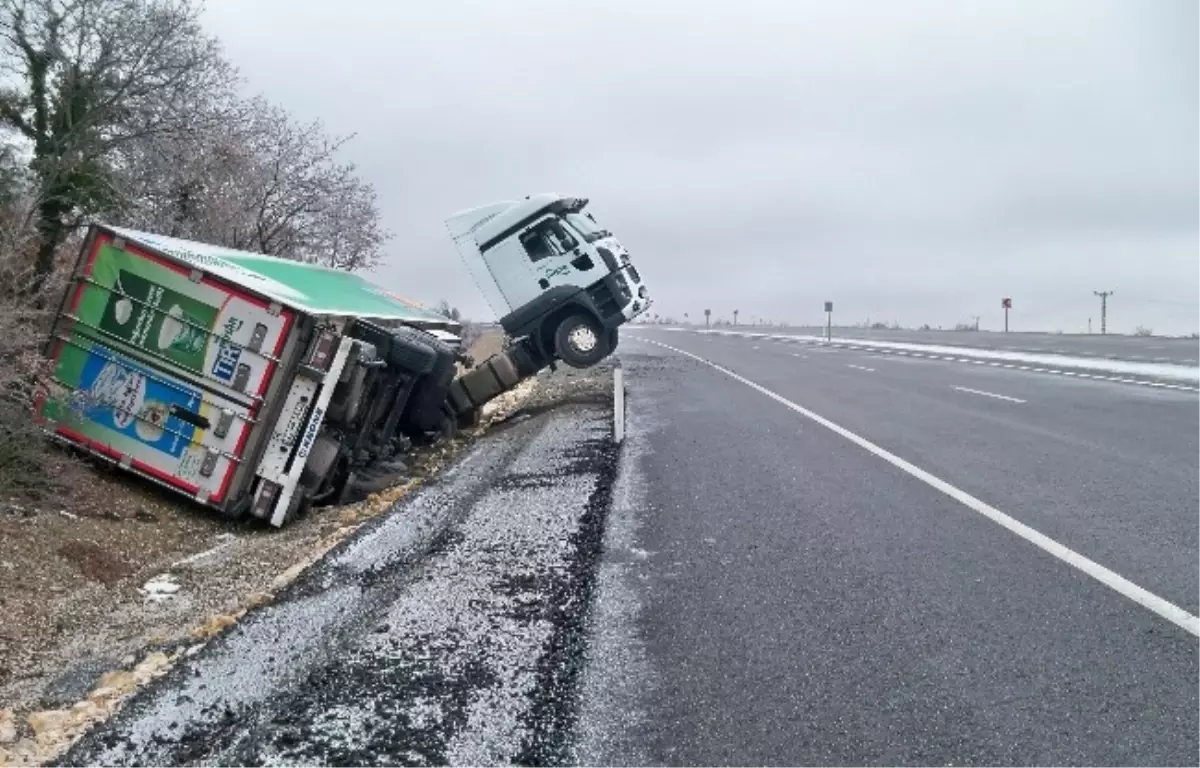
913,161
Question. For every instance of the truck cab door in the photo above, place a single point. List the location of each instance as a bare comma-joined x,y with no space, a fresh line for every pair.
559,256
542,256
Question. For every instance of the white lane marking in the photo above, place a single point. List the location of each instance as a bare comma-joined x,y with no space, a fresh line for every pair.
860,368
990,394
1108,578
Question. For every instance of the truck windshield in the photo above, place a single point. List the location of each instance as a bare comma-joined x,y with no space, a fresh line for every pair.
586,226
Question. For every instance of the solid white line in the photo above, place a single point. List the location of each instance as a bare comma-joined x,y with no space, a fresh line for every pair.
1108,578
990,394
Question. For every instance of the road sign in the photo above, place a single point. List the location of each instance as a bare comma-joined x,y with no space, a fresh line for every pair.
829,306
1006,303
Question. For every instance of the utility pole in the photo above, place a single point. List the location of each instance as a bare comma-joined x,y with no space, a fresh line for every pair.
735,317
1103,310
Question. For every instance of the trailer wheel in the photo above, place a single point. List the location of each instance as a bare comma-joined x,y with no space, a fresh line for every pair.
580,342
411,352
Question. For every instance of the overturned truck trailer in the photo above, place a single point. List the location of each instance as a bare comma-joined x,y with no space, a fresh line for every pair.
250,383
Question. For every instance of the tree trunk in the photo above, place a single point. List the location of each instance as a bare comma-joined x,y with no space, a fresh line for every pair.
51,233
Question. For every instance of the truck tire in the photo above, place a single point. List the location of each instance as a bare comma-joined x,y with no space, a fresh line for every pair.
579,341
423,413
411,352
612,340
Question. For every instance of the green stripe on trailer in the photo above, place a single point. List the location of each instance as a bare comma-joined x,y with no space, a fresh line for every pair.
309,288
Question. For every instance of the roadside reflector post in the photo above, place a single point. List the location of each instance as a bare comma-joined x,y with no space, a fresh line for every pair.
618,405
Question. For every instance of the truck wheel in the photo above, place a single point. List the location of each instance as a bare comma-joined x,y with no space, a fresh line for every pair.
580,342
411,352
423,412
612,340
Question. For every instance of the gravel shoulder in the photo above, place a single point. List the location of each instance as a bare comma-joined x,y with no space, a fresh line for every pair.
447,631
106,584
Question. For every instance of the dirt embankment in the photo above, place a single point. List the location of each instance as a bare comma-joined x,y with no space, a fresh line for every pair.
107,579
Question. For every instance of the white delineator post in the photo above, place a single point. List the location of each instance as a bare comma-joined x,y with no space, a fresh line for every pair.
618,405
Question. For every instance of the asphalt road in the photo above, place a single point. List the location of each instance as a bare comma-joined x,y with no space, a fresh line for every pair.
774,593
1179,351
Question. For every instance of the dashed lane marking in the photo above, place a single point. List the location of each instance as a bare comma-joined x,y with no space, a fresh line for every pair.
990,394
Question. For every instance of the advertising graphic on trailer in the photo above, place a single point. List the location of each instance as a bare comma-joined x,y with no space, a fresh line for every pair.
155,313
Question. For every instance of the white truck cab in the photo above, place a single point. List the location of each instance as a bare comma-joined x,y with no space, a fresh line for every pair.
552,274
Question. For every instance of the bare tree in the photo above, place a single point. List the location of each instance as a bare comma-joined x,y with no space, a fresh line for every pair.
262,182
445,308
89,77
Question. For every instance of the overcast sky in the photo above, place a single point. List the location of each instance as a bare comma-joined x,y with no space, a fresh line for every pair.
911,161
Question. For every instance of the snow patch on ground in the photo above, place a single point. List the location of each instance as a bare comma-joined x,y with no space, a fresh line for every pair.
1184,373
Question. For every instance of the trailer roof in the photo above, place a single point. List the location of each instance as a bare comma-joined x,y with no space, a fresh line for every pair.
309,288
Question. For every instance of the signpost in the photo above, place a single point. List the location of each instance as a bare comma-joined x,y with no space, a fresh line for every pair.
828,321
707,313
1006,303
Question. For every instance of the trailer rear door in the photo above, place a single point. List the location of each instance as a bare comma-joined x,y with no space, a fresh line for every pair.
160,366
